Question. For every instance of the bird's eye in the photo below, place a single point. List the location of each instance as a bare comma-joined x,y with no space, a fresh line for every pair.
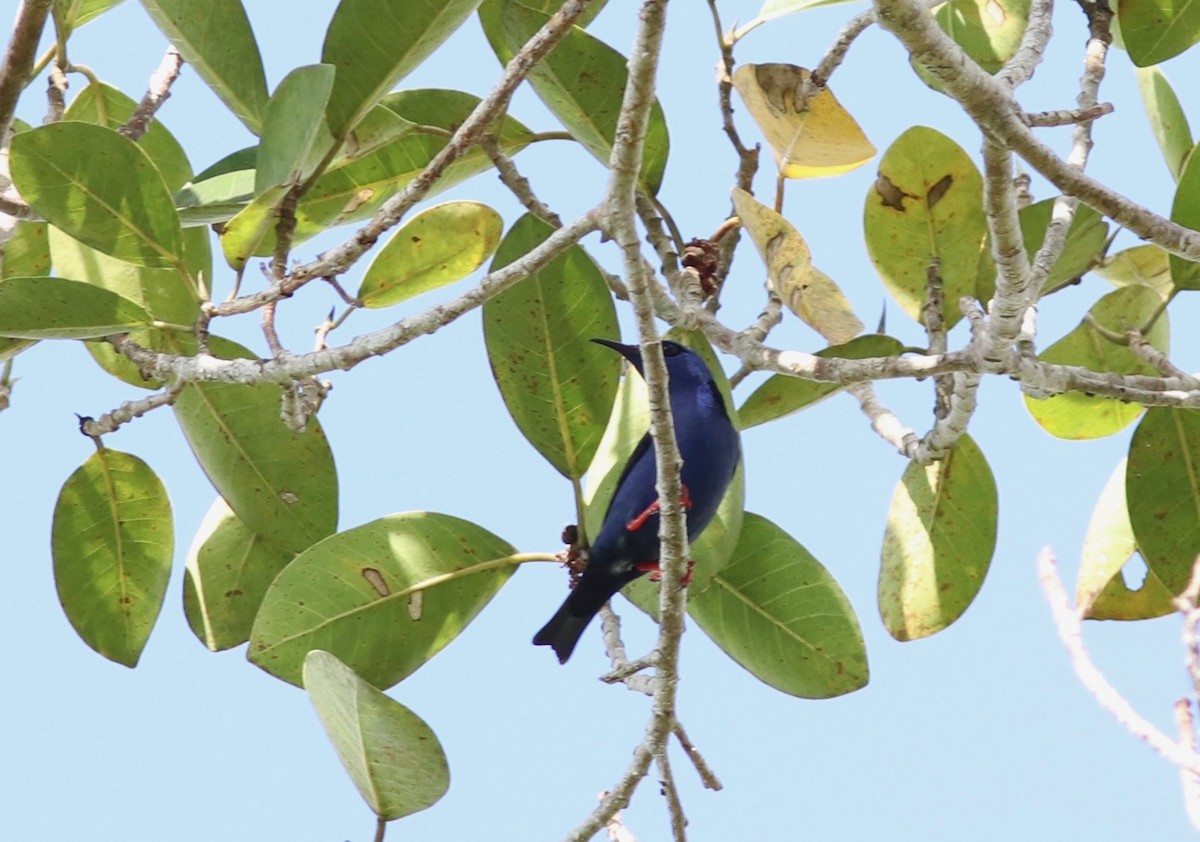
670,349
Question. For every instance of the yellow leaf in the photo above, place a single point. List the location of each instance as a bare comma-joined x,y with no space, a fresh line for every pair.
811,137
807,291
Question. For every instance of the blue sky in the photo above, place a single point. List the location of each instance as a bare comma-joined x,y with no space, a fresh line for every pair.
981,732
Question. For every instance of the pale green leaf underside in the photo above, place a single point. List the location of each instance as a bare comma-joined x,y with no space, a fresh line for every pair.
391,755
112,540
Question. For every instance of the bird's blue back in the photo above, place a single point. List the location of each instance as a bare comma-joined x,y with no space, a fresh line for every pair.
709,447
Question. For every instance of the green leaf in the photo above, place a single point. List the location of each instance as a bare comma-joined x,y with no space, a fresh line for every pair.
436,247
375,43
557,384
384,597
582,82
1107,546
215,40
56,308
27,252
926,204
1167,118
781,395
1147,265
358,184
357,189
1162,486
112,542
167,294
1156,30
1074,415
491,15
1185,274
1085,241
294,136
164,151
989,31
628,424
72,14
101,188
281,484
229,568
772,9
215,198
776,611
941,532
392,756
252,231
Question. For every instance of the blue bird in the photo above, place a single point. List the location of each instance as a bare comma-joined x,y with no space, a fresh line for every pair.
627,545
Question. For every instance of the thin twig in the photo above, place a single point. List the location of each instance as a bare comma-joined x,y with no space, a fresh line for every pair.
1070,631
511,177
1158,359
671,793
1046,119
110,422
156,94
707,776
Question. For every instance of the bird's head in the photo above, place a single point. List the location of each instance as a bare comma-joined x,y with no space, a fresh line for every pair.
684,366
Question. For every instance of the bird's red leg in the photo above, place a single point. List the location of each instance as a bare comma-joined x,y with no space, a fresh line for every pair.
638,522
655,571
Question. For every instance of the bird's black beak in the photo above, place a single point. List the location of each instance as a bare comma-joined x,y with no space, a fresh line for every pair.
630,352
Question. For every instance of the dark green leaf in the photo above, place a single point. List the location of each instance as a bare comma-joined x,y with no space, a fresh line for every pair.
776,611
56,308
1162,487
215,40
158,143
1156,30
1185,274
294,136
392,756
281,484
112,541
583,82
375,43
384,597
101,188
558,385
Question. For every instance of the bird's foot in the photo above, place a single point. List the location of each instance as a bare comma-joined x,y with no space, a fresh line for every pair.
638,522
655,571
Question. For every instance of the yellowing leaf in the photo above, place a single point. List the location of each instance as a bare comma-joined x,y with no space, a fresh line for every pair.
807,291
436,247
810,136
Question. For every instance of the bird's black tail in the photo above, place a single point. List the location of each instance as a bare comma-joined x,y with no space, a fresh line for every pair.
563,631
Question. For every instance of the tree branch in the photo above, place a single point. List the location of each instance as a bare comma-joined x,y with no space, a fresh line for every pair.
1071,633
990,104
156,94
18,58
